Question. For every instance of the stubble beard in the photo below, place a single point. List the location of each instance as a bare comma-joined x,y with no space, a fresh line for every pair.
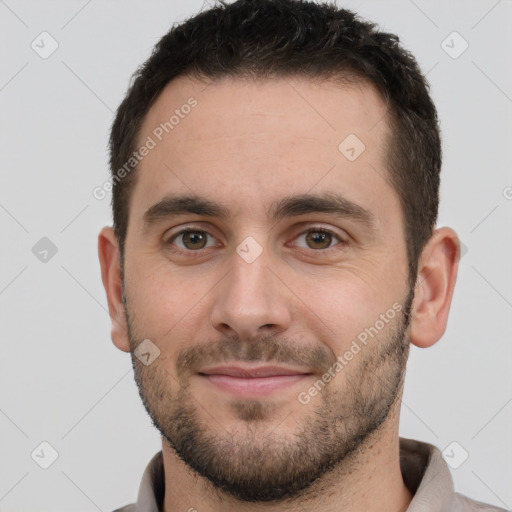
257,463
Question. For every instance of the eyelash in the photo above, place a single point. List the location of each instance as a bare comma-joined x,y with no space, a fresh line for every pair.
199,252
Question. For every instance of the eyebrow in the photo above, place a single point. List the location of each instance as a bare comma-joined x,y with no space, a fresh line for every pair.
291,206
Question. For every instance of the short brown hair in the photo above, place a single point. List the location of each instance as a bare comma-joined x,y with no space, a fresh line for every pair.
277,38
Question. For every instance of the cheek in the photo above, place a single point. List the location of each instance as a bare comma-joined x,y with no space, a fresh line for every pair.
165,301
339,308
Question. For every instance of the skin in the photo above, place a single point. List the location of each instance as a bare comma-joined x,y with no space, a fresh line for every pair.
247,144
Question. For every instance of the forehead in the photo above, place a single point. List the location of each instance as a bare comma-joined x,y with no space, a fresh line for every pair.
247,143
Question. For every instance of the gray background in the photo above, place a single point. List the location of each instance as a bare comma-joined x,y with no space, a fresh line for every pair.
62,380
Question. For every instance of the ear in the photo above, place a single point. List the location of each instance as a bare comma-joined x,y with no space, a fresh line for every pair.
437,273
108,254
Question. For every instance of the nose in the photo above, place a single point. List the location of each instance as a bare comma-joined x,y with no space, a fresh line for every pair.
251,300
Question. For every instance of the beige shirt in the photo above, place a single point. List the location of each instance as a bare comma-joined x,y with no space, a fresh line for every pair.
424,471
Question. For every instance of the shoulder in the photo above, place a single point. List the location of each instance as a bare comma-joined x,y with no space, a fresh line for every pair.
467,504
428,477
127,508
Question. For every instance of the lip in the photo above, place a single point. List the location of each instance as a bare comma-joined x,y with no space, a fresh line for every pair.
254,372
250,382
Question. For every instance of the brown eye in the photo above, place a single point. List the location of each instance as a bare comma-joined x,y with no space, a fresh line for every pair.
196,239
319,239
190,239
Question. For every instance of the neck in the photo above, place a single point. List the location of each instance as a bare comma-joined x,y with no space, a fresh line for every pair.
370,481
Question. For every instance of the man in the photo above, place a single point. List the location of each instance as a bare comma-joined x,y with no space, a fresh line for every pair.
275,170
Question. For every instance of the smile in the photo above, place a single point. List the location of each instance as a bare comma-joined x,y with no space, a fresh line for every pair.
251,382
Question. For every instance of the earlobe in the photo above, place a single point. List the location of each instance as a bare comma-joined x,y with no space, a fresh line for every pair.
437,274
112,282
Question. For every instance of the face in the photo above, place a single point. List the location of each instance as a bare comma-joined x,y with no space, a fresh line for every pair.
286,256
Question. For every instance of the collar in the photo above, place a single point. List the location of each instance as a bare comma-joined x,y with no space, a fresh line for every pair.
423,468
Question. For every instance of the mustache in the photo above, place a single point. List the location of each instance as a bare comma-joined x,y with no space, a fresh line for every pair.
266,349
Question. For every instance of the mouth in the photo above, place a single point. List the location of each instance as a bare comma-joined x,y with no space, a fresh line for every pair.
252,381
